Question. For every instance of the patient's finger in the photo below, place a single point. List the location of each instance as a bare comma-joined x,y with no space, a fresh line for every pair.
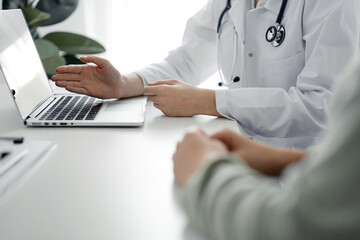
227,137
202,132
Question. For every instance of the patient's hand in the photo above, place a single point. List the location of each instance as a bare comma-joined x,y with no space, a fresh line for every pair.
265,159
98,79
192,153
196,149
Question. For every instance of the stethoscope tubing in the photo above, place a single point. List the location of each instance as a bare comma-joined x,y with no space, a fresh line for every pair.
227,8
281,13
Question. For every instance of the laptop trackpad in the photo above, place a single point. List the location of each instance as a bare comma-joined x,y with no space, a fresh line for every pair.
123,111
122,106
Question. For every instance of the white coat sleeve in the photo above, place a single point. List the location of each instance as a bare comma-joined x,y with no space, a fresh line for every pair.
331,32
196,59
319,198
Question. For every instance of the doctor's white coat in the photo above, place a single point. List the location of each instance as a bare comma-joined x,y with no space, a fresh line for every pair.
283,93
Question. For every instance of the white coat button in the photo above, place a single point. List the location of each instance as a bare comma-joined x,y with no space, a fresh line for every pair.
251,54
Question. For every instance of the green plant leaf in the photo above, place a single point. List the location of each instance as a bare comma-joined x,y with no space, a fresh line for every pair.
71,59
35,17
49,55
58,9
72,43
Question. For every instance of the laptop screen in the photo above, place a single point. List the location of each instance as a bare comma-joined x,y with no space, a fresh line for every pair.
21,64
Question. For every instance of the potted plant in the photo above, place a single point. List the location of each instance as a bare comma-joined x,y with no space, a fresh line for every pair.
55,48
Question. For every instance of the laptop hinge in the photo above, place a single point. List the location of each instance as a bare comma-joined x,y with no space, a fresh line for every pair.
26,120
41,107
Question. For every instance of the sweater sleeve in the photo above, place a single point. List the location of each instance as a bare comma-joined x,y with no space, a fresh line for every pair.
318,197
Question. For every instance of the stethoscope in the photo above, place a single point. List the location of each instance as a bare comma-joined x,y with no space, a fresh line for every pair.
275,35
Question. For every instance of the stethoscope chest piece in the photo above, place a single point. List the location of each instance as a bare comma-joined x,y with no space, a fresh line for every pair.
275,35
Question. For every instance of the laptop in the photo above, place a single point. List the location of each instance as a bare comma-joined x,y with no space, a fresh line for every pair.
37,104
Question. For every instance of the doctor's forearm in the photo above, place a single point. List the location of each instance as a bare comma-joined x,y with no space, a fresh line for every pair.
133,85
207,103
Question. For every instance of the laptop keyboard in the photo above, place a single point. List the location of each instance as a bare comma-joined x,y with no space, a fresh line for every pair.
73,108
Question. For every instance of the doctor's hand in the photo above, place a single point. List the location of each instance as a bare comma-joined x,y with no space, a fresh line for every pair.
177,99
99,79
192,153
265,159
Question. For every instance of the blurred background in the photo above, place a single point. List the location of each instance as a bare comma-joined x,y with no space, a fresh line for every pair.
134,33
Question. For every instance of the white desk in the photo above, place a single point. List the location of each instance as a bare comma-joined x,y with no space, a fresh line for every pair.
100,183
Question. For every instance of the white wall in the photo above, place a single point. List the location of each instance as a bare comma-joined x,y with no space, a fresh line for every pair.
134,33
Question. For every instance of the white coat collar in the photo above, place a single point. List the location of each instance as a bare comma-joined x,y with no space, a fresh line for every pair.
273,6
260,3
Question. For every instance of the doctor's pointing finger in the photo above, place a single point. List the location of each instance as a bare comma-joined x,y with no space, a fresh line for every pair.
177,99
